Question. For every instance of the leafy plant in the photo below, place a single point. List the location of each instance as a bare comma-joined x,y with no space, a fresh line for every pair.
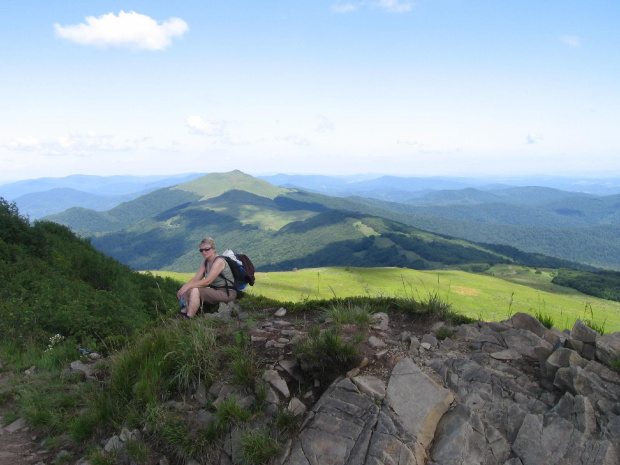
287,423
258,447
443,333
137,450
229,411
324,355
345,312
546,319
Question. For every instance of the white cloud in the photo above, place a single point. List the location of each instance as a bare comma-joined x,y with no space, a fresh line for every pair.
344,8
324,125
75,144
24,143
391,6
209,128
131,29
411,143
533,138
571,41
295,140
394,6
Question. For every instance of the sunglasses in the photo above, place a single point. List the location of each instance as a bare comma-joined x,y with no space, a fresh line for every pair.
206,249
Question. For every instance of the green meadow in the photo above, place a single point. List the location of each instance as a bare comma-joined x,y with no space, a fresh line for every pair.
492,296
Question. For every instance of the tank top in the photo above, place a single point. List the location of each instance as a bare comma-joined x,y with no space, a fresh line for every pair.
219,281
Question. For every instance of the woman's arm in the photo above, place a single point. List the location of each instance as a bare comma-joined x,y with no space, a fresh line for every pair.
196,281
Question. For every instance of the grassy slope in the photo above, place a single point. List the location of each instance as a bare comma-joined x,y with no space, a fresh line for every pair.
215,184
480,296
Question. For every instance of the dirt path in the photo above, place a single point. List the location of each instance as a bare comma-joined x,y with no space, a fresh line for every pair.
22,447
18,444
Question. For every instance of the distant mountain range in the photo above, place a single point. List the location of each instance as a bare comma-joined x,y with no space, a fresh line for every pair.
577,226
44,196
406,189
280,228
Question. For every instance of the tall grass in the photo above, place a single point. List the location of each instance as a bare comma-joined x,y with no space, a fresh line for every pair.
325,356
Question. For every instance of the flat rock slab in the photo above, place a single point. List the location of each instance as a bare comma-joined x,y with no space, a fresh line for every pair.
347,427
418,400
506,355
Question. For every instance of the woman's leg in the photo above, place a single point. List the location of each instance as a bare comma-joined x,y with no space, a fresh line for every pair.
192,297
211,296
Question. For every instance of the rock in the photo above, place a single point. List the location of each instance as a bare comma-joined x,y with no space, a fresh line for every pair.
280,312
574,344
17,425
543,439
87,368
294,370
376,343
608,348
583,333
421,416
430,339
380,321
371,386
528,322
273,378
296,406
507,354
562,358
523,341
349,428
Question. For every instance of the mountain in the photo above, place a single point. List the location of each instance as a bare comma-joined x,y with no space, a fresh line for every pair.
588,237
37,198
100,185
39,204
279,228
402,189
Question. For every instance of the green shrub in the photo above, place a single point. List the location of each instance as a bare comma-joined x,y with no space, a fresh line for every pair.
258,447
343,313
325,356
229,412
546,319
443,333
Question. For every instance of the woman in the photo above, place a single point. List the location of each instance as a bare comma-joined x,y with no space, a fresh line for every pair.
209,284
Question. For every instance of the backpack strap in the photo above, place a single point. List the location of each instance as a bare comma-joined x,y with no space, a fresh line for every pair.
227,287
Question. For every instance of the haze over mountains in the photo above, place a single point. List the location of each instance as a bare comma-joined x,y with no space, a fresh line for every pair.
573,225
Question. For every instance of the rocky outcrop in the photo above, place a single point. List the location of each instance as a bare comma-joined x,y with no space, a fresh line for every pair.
511,392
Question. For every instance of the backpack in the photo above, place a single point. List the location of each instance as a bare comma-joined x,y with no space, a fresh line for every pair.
242,269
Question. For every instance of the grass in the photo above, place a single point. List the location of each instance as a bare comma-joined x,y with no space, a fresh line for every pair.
257,447
489,296
342,313
546,319
325,355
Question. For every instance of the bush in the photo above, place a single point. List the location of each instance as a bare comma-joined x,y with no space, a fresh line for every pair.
325,356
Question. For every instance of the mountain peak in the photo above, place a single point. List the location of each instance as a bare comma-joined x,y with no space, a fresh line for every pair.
215,184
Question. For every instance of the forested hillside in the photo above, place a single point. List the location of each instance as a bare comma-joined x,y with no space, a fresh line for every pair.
603,284
281,229
597,245
55,283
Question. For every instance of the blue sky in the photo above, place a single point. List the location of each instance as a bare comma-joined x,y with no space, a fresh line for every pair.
422,88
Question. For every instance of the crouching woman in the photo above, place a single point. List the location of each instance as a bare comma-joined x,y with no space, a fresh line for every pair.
211,283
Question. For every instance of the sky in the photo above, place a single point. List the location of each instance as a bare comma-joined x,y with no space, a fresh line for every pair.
411,88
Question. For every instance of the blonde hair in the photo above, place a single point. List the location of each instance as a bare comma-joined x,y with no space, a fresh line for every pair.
208,241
